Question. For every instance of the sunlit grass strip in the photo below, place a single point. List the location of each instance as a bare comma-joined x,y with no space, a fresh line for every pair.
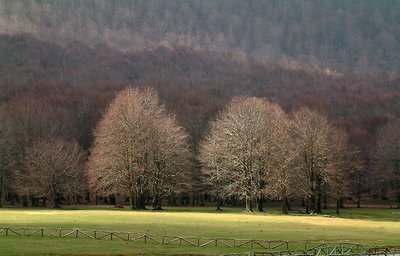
364,226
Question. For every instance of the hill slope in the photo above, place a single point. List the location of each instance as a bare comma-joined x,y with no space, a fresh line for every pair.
361,35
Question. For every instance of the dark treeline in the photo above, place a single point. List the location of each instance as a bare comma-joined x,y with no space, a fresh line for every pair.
49,90
360,35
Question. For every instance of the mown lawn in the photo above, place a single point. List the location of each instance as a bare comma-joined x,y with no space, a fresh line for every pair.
368,226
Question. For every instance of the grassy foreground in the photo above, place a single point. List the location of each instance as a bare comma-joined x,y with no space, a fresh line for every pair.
369,226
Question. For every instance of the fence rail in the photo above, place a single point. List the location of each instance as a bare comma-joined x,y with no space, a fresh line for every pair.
271,247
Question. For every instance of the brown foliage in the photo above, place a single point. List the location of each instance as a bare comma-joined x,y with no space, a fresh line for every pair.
139,147
51,168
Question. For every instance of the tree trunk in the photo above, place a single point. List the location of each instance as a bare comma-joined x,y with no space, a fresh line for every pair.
341,203
132,203
249,207
193,198
307,206
260,204
284,206
325,202
288,207
156,203
312,203
337,206
316,204
87,196
219,203
359,189
56,202
141,202
319,208
201,196
10,198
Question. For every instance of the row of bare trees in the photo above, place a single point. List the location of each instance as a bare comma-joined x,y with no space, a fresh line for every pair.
253,150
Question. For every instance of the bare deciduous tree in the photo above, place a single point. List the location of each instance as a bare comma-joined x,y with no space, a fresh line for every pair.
138,147
311,132
342,162
51,168
239,149
325,159
388,157
281,172
169,160
4,153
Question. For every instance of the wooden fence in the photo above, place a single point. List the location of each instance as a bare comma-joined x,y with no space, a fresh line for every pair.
271,247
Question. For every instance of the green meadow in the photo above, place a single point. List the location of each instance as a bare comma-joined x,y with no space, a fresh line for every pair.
366,226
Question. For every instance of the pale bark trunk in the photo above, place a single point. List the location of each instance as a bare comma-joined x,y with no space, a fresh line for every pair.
249,207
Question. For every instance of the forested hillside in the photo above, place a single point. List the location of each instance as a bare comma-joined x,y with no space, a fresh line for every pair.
359,35
49,89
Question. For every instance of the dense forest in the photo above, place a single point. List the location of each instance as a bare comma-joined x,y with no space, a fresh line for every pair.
62,63
49,90
361,35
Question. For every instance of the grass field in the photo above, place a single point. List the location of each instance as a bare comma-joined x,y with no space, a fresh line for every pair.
368,226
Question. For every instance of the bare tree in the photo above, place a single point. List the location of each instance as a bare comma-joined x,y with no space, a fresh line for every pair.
138,147
237,152
325,159
311,132
281,172
51,168
343,161
169,159
388,157
4,153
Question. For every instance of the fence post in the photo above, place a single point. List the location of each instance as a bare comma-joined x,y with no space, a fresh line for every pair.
59,234
111,235
145,239
198,241
41,232
7,231
76,233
